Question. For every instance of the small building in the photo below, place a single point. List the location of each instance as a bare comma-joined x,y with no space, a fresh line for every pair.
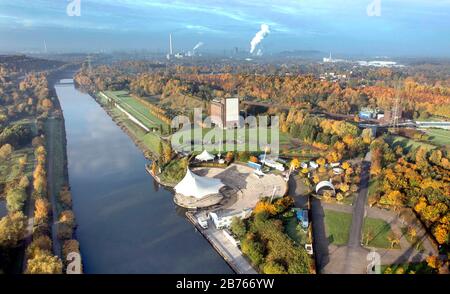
367,113
302,217
223,220
325,186
271,163
225,112
313,165
338,171
254,165
203,222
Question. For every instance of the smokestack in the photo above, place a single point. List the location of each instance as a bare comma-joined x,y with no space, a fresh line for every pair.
170,44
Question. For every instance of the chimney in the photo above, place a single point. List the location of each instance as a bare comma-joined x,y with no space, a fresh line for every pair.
170,44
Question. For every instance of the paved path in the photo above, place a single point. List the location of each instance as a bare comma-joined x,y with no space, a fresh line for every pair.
298,191
354,248
230,253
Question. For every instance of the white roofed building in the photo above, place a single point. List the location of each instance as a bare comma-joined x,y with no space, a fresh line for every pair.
194,191
198,187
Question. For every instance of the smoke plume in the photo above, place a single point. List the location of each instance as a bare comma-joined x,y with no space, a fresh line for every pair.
199,44
259,37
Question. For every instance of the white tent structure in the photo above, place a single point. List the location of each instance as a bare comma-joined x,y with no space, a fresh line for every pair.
325,184
198,187
205,156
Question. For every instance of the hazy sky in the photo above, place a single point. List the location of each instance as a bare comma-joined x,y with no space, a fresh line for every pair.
405,27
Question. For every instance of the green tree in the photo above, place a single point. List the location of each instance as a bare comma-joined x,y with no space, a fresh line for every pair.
273,268
254,250
238,227
15,199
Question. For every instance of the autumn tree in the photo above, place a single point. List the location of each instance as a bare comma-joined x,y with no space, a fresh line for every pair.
44,263
295,163
41,210
15,199
5,151
12,229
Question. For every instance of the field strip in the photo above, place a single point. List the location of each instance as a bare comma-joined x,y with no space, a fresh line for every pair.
152,123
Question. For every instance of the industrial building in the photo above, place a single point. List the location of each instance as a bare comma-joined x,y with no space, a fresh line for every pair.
225,112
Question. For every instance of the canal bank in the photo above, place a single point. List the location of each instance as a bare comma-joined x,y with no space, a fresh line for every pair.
127,223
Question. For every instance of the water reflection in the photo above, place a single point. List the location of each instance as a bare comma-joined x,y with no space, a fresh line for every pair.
126,223
3,209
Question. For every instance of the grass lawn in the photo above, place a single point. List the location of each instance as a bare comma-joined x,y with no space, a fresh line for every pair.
136,108
378,232
418,268
232,140
418,244
294,231
55,137
439,137
10,169
150,140
337,226
407,143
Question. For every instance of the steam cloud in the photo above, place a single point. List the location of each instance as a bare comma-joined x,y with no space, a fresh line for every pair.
199,44
259,37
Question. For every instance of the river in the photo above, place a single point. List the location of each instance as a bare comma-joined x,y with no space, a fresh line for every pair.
126,222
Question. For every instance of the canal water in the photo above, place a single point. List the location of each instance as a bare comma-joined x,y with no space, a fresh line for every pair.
3,209
126,222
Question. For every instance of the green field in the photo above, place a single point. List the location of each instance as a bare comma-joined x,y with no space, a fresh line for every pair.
54,129
439,137
407,143
10,169
243,140
337,226
136,108
378,233
294,231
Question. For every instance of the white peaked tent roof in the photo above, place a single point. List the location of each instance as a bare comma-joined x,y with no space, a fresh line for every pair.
324,184
205,156
198,187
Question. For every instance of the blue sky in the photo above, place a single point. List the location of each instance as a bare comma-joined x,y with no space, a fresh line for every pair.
405,27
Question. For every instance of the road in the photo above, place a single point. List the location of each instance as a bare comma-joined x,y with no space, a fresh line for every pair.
350,258
354,247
